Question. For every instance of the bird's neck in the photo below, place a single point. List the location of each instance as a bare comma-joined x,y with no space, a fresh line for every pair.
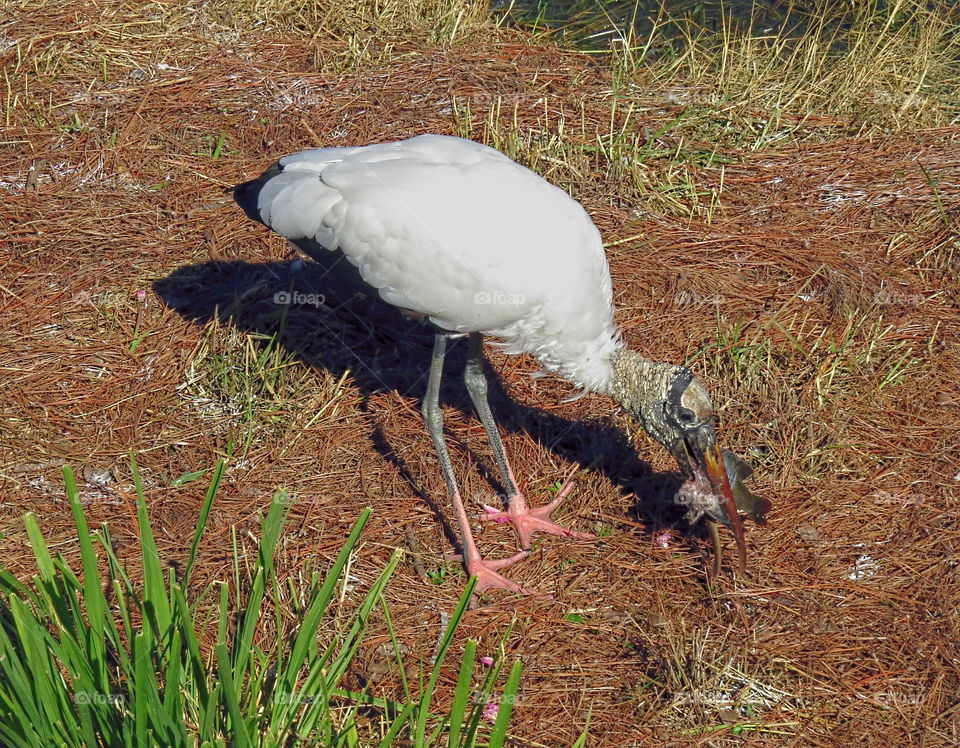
638,381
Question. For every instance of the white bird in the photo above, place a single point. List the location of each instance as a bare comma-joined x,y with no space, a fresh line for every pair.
479,245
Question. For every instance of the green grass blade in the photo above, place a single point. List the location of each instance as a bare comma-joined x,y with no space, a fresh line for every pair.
155,599
17,685
461,697
396,726
427,693
224,618
215,480
93,598
11,585
138,695
173,706
195,664
40,551
331,675
65,651
483,695
498,735
40,671
238,730
352,640
396,650
306,635
271,526
581,740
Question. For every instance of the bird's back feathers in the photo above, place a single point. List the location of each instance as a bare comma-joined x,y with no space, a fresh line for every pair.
458,232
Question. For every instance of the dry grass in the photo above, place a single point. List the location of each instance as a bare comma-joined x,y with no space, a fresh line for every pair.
863,67
367,32
817,295
347,21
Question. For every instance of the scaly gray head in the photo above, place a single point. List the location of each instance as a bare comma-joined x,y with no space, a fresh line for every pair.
674,407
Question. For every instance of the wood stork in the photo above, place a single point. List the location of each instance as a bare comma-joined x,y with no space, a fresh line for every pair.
458,233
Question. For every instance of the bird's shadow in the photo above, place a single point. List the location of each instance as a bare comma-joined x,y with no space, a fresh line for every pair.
324,314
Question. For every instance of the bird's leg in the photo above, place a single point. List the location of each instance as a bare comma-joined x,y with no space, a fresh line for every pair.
526,520
484,571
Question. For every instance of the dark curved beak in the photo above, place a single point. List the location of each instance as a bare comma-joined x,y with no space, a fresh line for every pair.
700,457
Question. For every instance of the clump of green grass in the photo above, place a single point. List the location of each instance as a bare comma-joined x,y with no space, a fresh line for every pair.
365,24
84,666
857,66
635,162
835,70
793,366
248,378
696,683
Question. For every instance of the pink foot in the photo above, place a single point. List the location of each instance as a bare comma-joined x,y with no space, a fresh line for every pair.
488,578
528,521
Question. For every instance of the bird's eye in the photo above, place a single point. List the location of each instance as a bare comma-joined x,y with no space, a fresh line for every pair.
686,416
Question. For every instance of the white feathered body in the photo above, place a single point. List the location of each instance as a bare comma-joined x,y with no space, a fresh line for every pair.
458,232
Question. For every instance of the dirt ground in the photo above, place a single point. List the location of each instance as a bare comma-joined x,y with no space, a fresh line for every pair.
819,301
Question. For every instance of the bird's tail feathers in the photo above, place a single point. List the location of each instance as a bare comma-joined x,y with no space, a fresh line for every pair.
247,194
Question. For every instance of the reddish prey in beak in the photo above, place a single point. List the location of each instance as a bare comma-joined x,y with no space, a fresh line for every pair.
675,409
711,488
720,483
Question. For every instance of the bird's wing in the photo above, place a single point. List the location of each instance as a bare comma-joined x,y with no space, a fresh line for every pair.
453,230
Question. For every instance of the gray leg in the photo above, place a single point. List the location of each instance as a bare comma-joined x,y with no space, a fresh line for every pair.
433,415
476,381
485,571
526,520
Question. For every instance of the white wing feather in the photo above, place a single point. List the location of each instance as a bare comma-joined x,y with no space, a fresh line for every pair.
460,233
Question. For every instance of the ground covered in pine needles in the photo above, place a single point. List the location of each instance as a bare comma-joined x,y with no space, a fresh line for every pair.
813,287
